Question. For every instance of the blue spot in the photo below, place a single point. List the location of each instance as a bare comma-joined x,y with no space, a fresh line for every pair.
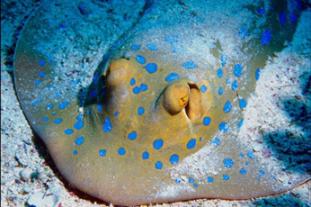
158,165
235,85
157,144
136,90
79,140
240,123
207,120
45,119
145,155
140,110
243,171
261,11
250,154
203,88
191,180
191,143
282,18
58,120
37,82
49,106
68,131
189,65
121,151
132,135
257,74
223,60
41,74
242,103
116,113
174,159
237,70
99,108
132,81
102,152
63,105
219,73
143,87
42,63
227,107
151,67
216,141
226,177
220,91
140,59
75,152
228,163
210,179
266,37
172,77
78,125
135,47
241,154
223,127
261,172
178,180
107,126
152,47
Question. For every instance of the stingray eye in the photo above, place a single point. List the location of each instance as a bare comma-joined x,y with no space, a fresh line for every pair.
194,109
176,97
118,72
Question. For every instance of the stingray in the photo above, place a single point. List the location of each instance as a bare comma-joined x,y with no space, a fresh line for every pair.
130,130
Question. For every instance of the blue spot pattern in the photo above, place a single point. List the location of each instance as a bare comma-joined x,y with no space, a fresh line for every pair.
210,179
227,107
140,59
158,144
235,85
132,81
140,110
237,70
206,121
107,126
226,177
223,127
132,135
102,152
135,47
172,77
145,155
266,37
152,47
242,103
191,143
220,91
158,165
151,67
257,74
228,163
58,120
63,105
79,140
174,158
189,65
243,171
219,73
42,63
203,88
121,151
216,141
68,131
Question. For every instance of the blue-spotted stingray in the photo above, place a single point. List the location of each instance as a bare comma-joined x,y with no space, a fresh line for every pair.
174,83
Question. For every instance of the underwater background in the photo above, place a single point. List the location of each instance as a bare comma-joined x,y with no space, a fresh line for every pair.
28,176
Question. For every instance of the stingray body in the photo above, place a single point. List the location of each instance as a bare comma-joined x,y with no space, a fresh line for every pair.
176,82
